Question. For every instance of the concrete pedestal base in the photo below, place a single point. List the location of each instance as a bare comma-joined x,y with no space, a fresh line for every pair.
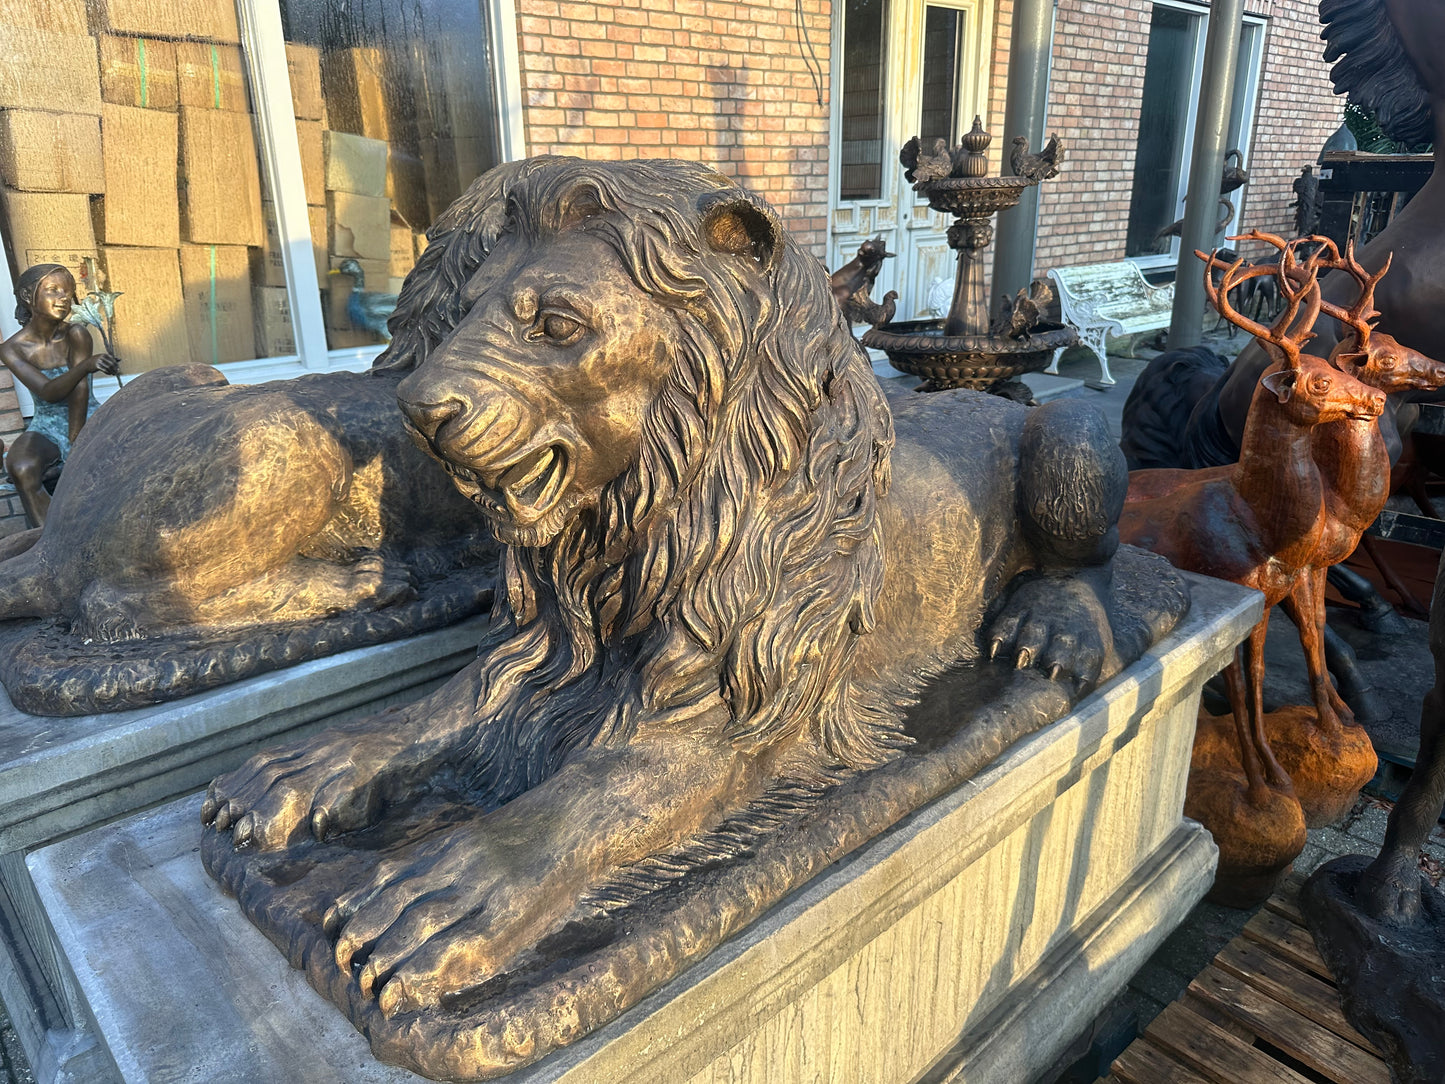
970,942
60,776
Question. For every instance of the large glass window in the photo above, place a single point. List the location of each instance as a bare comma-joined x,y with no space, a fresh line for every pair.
137,166
205,158
865,23
944,31
1165,113
396,115
1172,73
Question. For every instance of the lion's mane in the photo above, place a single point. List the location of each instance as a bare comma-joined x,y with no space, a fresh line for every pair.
736,563
1372,67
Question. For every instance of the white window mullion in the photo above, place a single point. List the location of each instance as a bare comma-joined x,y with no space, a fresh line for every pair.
501,18
264,43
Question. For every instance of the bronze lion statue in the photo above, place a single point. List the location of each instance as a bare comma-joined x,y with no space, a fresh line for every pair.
204,532
729,568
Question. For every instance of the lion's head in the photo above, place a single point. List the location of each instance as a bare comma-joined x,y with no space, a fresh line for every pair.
650,392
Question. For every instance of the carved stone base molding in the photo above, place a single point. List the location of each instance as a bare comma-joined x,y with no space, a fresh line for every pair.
976,936
61,776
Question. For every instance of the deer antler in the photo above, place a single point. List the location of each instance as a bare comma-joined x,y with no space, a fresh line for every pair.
1298,285
1360,316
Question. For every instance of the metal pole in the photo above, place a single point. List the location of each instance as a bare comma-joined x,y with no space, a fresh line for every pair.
1030,52
1211,130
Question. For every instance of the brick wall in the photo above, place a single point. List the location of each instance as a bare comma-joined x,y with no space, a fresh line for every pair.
1297,112
724,83
1094,95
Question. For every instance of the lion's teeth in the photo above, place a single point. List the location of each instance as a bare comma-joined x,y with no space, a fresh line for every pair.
544,463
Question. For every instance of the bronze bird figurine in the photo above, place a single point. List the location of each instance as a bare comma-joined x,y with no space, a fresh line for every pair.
935,165
1037,167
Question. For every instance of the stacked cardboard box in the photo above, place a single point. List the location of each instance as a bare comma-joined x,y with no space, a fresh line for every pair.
275,333
211,76
51,152
139,72
59,16
303,66
216,285
47,70
139,204
50,138
220,178
211,20
150,321
353,82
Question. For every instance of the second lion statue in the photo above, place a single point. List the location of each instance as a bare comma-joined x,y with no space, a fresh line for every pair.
729,568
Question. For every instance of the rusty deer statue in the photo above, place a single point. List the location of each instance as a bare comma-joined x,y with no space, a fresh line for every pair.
1258,522
1354,464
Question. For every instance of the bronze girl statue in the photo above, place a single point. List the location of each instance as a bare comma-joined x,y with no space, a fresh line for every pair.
54,360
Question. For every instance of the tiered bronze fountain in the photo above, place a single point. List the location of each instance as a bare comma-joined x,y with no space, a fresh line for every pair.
966,349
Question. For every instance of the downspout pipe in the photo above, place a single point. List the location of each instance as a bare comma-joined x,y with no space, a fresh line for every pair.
1206,167
1025,109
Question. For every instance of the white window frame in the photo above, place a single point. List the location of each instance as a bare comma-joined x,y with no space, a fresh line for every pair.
263,44
1170,259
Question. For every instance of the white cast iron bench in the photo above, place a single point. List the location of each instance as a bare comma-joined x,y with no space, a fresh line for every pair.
1103,299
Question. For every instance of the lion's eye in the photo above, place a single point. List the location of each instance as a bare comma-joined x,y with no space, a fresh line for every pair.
560,329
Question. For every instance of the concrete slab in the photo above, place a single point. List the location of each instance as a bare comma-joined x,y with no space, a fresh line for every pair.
969,942
59,776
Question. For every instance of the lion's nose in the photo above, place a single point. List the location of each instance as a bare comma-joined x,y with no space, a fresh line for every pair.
427,418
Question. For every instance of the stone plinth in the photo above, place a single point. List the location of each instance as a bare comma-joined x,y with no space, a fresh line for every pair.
972,941
60,776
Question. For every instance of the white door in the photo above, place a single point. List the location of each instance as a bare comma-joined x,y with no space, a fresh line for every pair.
908,67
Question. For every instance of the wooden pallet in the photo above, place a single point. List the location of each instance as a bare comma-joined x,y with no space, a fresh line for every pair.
1265,1011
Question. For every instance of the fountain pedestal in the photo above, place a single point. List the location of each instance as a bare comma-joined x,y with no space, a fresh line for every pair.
962,351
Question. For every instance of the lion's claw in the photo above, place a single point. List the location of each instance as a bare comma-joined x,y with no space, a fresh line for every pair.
1049,624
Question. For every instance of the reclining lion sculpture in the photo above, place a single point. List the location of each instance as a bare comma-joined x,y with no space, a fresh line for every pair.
728,570
204,532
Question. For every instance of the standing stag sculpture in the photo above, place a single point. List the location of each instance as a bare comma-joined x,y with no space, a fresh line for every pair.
1259,523
1354,464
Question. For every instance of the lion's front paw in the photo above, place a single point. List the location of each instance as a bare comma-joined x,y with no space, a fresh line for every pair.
442,916
329,783
1056,624
380,583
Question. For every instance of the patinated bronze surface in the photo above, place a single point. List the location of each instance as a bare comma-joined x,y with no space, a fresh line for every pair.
729,569
966,349
852,285
1379,925
203,532
53,359
1261,523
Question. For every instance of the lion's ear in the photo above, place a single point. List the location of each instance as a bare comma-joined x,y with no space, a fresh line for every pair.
741,224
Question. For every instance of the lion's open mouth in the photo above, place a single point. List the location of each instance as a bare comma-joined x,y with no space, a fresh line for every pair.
524,491
532,485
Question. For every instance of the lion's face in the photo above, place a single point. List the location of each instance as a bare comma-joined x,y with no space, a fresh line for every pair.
537,399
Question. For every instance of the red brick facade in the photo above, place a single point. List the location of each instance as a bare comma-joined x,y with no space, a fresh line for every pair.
1094,95
731,84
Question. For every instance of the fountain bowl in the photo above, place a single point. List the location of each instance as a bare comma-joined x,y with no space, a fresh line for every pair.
920,348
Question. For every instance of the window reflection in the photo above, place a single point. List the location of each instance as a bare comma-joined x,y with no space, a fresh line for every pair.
396,119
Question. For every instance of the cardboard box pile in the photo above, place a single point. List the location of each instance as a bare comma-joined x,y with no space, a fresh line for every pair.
126,136
138,71
216,285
